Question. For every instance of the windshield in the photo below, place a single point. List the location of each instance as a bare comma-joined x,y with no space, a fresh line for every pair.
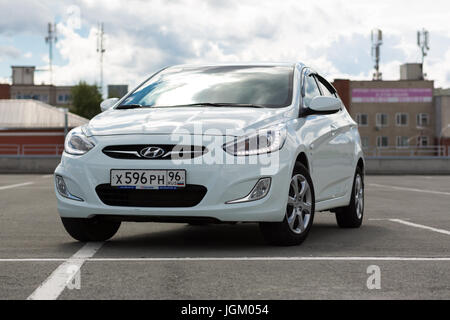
258,86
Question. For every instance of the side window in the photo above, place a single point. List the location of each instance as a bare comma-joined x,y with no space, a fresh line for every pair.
311,90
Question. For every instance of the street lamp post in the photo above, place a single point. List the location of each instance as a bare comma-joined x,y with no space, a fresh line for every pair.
440,136
421,129
65,112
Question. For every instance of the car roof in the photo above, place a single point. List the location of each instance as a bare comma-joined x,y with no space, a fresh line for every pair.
251,64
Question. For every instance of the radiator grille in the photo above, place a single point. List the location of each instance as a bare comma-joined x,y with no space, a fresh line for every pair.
169,152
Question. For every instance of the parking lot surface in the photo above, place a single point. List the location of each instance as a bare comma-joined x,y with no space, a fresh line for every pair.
406,234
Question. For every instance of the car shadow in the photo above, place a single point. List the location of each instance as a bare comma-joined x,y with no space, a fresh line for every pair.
237,240
187,236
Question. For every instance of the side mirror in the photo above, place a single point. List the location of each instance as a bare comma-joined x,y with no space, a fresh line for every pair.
108,103
325,104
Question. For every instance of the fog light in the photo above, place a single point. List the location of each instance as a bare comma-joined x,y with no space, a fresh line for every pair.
62,189
258,192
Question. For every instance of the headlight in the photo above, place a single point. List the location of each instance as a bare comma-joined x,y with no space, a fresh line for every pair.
263,141
77,143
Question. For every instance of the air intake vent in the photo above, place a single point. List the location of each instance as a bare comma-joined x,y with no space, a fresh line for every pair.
189,196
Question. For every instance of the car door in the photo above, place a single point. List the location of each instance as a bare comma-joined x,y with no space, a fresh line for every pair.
321,151
341,145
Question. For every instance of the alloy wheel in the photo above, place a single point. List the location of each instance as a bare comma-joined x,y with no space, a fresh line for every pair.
359,196
298,212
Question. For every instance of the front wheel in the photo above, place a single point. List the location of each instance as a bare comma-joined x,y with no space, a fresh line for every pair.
352,215
85,230
299,217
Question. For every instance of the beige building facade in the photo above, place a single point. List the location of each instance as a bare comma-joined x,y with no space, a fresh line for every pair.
23,87
395,117
394,114
442,110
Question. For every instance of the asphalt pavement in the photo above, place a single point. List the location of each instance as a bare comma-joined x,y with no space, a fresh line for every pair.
405,235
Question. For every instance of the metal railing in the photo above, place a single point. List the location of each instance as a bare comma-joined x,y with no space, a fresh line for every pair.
9,149
31,149
412,151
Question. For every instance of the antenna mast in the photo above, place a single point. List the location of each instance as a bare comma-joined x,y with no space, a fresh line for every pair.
377,41
423,43
101,50
50,39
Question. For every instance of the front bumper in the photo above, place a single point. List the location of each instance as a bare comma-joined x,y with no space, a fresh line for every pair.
224,182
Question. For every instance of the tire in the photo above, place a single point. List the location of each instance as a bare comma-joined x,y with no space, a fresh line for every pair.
352,215
85,230
291,231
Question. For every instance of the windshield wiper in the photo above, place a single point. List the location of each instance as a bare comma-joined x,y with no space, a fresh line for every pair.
223,104
204,104
129,106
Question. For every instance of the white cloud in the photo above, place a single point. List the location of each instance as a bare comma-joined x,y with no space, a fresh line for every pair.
5,80
332,36
8,52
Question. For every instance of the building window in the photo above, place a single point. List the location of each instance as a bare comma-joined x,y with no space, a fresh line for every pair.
382,142
60,98
401,119
362,119
365,142
422,119
382,120
422,141
402,142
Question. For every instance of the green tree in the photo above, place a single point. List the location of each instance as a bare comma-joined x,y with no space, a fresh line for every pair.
86,100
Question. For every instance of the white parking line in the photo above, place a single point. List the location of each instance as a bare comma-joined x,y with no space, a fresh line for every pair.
384,219
421,226
33,260
162,259
276,259
54,285
409,189
16,185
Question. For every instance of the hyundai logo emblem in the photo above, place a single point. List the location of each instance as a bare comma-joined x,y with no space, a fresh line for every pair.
152,152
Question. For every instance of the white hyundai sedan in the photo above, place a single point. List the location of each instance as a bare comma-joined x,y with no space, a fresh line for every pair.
266,143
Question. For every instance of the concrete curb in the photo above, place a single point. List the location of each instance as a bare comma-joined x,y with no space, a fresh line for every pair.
408,166
29,164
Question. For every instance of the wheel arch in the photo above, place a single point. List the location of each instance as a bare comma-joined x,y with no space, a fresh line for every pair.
303,159
361,165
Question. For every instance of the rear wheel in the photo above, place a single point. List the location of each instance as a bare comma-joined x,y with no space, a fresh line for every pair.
352,215
299,216
90,229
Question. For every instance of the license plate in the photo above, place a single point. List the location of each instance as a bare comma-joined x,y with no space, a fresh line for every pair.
148,179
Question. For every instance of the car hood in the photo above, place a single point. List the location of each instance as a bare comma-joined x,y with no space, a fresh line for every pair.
183,120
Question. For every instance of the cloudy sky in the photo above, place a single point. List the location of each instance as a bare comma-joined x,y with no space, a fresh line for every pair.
333,36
